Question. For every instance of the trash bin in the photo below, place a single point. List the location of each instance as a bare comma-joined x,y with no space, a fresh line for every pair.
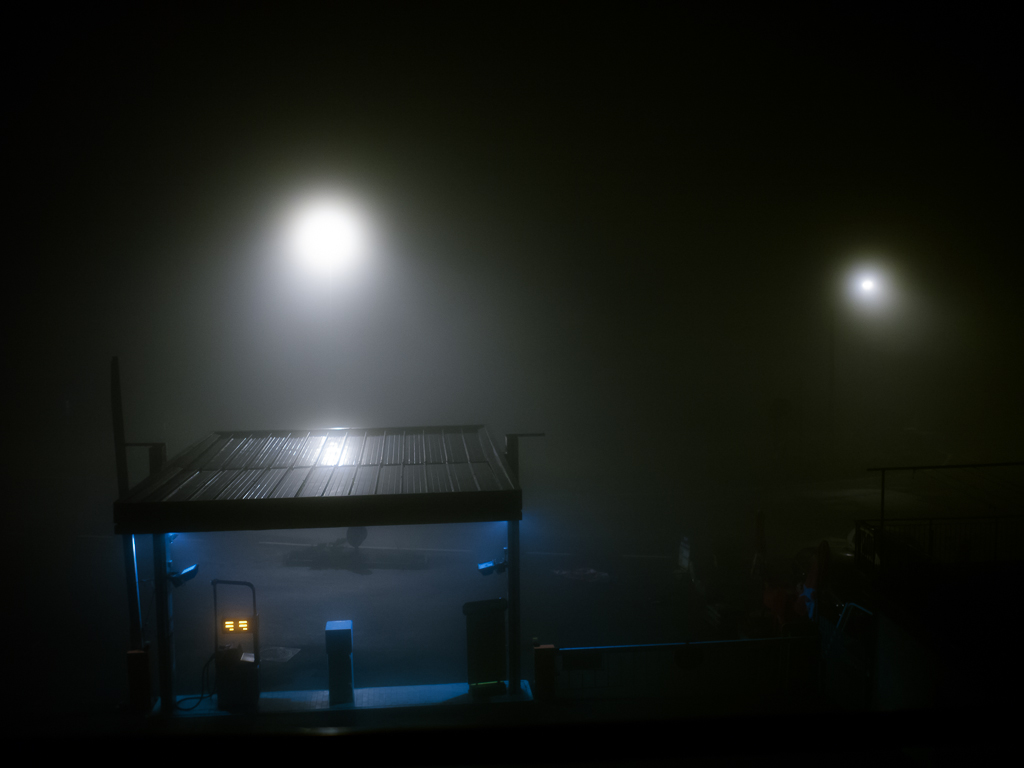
486,646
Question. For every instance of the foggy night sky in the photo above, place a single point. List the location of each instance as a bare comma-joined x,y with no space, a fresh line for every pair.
617,229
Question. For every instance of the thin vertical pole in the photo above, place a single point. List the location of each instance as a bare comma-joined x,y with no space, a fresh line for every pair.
514,667
832,375
514,661
858,544
512,456
120,452
131,567
164,624
881,530
157,457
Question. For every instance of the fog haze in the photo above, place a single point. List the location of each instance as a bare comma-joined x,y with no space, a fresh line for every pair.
629,234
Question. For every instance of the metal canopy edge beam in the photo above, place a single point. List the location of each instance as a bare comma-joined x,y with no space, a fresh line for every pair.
317,512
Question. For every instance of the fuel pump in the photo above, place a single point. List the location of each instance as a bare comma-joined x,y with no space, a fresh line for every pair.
237,671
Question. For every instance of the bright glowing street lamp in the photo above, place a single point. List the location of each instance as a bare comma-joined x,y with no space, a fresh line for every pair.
867,288
327,233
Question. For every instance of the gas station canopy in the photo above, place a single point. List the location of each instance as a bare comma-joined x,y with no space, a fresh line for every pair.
327,478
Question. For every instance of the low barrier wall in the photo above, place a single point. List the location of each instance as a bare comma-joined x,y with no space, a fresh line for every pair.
729,675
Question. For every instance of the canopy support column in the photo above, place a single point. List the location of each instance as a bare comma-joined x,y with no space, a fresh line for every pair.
514,667
514,651
131,570
164,624
514,661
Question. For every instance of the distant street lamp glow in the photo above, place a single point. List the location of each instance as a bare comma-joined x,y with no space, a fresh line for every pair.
868,287
868,290
327,234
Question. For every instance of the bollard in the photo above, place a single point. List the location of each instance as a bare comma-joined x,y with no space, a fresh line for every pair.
544,670
339,662
486,647
140,695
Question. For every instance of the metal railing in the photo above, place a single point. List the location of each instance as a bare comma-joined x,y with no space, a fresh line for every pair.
836,660
913,542
729,675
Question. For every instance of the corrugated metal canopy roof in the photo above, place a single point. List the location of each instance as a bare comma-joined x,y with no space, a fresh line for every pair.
233,481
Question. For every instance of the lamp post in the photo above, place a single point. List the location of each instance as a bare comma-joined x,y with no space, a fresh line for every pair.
864,288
